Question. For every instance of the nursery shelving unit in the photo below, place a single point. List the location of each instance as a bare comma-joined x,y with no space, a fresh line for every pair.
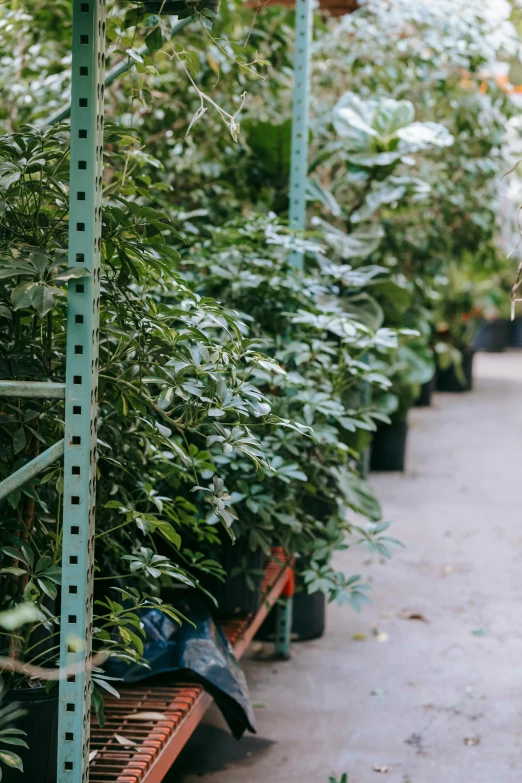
183,706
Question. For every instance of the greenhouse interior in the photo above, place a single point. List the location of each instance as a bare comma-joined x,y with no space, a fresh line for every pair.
260,387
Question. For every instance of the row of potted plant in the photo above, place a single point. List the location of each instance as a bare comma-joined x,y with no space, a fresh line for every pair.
219,420
236,394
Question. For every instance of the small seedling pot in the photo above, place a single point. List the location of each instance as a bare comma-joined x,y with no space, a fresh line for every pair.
40,724
389,447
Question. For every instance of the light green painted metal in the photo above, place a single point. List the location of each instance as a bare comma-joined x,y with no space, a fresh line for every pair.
33,389
31,469
366,394
283,623
81,398
114,73
299,156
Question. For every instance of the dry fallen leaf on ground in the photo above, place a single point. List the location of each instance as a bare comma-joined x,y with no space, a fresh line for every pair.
471,740
405,615
359,637
380,768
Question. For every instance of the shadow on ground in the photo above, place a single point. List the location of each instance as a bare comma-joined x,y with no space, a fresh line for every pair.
213,749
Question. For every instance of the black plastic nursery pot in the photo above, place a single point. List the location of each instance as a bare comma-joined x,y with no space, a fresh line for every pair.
515,333
427,389
389,447
235,596
449,381
308,615
308,618
40,724
492,336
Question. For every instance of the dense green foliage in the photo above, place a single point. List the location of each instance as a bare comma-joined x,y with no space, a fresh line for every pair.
236,394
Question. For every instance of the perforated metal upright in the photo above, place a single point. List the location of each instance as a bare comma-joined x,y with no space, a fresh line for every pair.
81,387
300,121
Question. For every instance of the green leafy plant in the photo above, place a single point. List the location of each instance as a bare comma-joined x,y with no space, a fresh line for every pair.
10,735
169,389
311,482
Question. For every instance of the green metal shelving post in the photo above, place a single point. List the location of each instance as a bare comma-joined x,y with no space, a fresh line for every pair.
283,627
81,386
297,217
301,100
79,391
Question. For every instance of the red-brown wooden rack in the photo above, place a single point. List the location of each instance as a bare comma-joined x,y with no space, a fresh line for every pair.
332,7
160,741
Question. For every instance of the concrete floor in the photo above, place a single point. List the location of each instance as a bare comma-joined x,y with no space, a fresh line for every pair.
417,701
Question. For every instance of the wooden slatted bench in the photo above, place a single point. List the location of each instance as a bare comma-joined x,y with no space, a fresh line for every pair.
160,738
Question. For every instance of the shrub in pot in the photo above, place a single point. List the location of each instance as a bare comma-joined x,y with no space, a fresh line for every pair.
150,320
455,327
492,335
455,373
493,327
431,222
411,365
239,591
308,329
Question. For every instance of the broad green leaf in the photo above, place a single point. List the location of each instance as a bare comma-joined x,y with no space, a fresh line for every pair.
154,40
11,759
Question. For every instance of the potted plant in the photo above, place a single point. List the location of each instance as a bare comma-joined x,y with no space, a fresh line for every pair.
319,344
162,428
455,326
426,392
491,310
238,591
410,366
